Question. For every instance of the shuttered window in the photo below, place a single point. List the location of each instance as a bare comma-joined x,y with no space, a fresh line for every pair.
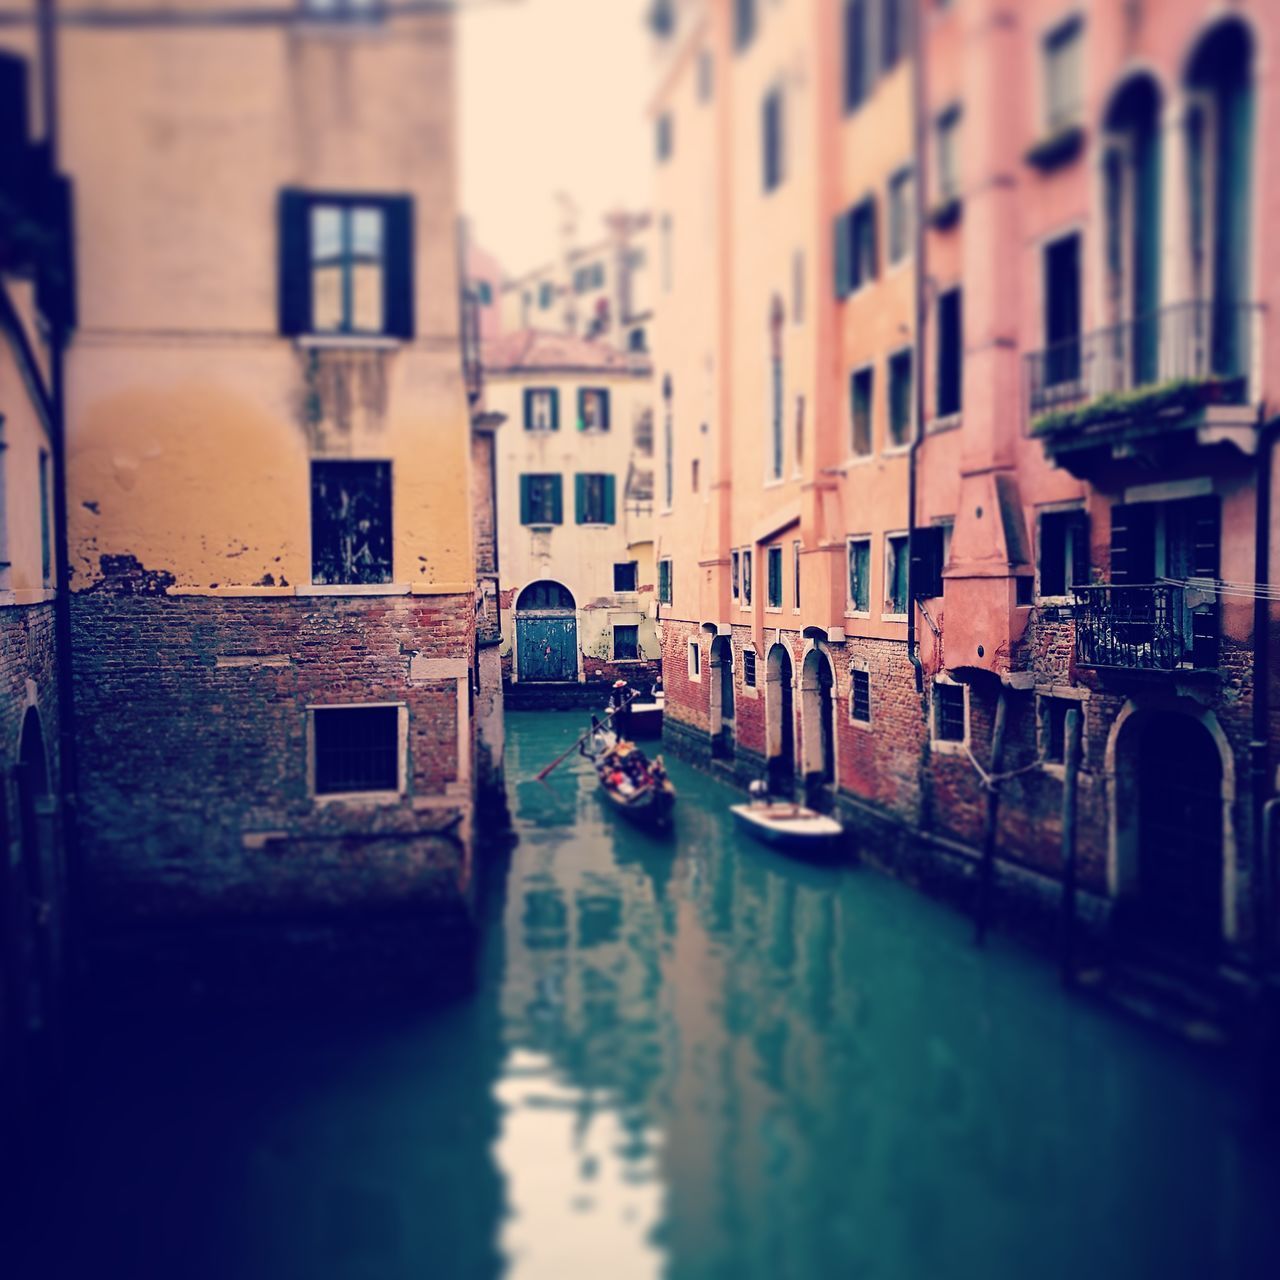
593,409
541,500
774,565
346,264
594,498
1133,543
541,409
858,64
664,581
927,556
1063,559
950,390
859,575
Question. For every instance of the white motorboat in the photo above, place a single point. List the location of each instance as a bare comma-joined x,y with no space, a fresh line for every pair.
789,828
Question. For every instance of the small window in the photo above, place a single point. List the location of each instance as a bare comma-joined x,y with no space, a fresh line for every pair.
664,581
772,139
1062,312
1064,552
859,575
950,720
901,214
541,500
948,154
637,343
861,391
863,255
595,498
665,137
900,398
546,295
749,668
626,643
356,750
593,409
746,577
626,576
734,571
795,575
695,660
774,566
892,35
1023,591
541,409
858,67
695,475
950,388
744,23
350,523
860,697
1053,728
897,564
1062,49
46,522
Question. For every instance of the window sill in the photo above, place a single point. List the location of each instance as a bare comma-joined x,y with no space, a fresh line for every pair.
859,459
948,746
897,450
947,422
864,725
359,798
541,526
893,617
355,589
858,613
348,342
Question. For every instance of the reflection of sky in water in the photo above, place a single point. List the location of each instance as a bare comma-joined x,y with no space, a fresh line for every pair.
691,1059
583,1195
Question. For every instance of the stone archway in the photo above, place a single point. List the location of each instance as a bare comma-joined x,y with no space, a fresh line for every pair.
817,711
722,700
1172,856
780,722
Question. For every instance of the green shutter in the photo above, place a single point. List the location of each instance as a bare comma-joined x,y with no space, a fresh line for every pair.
555,410
526,513
844,282
610,495
604,410
557,500
580,498
528,409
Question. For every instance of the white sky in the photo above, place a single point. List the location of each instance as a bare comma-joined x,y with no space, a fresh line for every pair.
553,96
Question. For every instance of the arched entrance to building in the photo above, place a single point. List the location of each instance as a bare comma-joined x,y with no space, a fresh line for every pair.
818,719
546,633
1170,829
780,719
34,887
722,701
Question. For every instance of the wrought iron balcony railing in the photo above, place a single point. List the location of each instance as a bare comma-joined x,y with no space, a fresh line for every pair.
1156,627
1213,342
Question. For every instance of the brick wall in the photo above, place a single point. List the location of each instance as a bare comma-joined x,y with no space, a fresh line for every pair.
193,723
687,701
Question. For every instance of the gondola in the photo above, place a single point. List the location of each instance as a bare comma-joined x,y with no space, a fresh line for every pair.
633,785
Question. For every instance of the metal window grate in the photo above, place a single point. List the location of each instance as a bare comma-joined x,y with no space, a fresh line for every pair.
357,749
749,669
948,705
860,707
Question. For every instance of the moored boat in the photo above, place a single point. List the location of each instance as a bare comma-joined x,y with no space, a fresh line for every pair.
789,828
646,716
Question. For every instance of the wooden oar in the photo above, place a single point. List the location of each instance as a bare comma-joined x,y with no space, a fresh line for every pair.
560,759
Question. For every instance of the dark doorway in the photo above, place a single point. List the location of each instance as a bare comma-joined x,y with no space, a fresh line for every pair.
780,710
722,698
817,682
1179,819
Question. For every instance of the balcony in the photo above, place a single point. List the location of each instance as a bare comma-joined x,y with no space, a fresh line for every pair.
1160,628
1133,386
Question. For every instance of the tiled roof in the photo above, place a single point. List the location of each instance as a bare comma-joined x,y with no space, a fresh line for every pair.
539,349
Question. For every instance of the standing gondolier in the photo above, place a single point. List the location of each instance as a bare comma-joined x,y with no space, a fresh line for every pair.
620,705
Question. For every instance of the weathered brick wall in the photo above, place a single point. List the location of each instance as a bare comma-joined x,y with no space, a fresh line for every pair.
750,725
687,701
193,724
639,674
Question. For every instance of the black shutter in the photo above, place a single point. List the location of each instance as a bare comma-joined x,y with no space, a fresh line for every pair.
1206,523
843,265
295,263
399,282
1133,545
926,563
1079,535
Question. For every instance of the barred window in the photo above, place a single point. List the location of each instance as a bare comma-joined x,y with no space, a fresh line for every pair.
357,749
949,713
749,668
860,697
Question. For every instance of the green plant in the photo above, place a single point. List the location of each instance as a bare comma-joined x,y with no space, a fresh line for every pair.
1115,405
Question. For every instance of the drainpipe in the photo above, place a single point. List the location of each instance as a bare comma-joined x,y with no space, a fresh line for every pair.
1263,891
59,334
918,358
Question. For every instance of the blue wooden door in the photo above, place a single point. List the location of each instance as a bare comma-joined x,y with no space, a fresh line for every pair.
547,646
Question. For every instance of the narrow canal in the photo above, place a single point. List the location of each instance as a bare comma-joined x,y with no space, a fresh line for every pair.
688,1060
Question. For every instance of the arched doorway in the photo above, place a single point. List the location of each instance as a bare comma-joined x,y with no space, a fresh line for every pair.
34,883
1132,206
817,710
722,699
780,719
546,633
1219,131
1169,812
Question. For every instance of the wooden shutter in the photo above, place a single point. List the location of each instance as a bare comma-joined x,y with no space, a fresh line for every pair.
528,409
843,266
775,576
295,262
1206,522
873,238
610,499
398,282
555,409
526,506
580,498
604,409
1079,535
557,500
926,562
1133,552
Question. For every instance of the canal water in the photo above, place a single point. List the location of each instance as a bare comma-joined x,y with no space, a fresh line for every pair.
689,1059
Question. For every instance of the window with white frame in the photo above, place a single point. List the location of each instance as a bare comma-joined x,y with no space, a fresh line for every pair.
746,577
947,154
356,750
897,557
901,215
860,696
859,575
735,570
664,581
1062,74
695,660
749,668
773,564
626,642
950,712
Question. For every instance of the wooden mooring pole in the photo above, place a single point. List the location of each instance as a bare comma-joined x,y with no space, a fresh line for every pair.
1067,921
986,869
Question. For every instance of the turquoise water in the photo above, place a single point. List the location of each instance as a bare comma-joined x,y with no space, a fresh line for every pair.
686,1059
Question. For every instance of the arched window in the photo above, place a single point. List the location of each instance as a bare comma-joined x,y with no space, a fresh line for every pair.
544,595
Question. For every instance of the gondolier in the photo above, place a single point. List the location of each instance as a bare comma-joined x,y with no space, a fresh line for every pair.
620,704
